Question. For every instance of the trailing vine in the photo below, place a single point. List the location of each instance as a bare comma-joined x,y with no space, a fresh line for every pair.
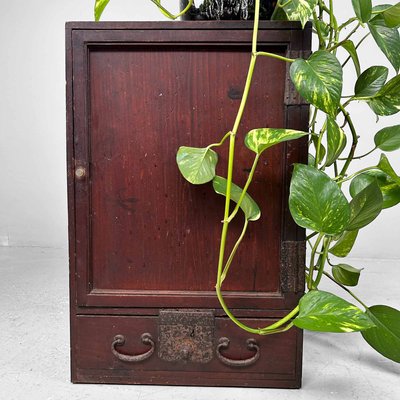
317,200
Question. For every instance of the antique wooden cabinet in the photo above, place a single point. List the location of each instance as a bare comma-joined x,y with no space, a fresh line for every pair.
143,241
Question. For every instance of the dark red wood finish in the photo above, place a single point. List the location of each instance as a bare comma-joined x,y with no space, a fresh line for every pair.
143,239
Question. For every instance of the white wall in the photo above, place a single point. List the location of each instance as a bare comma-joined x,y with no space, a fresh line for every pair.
32,115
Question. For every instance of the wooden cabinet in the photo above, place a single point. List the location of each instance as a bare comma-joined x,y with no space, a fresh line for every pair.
143,241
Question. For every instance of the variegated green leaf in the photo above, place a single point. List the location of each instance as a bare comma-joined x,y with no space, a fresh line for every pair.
365,207
371,81
261,139
336,139
197,165
248,205
384,165
389,188
363,9
316,201
349,46
387,39
346,274
387,100
99,7
299,10
388,139
319,80
344,245
391,15
325,312
385,336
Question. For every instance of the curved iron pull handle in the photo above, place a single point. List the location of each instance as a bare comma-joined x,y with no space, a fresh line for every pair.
119,340
251,344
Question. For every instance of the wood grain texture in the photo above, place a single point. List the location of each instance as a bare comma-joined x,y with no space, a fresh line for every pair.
277,362
143,239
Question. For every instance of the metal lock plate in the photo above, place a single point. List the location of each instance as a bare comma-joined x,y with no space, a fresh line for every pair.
186,335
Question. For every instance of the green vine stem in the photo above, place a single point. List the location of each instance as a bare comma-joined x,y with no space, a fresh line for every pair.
227,218
319,80
235,247
312,261
345,289
246,186
168,14
221,142
322,260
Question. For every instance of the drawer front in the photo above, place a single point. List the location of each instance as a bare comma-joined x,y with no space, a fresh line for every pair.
158,350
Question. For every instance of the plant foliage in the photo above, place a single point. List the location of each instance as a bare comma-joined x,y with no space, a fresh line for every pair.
317,199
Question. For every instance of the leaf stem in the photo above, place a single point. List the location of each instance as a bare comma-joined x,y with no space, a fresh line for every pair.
272,55
357,46
246,186
345,288
220,143
319,33
359,157
312,261
233,252
169,15
322,260
354,143
348,178
344,40
348,22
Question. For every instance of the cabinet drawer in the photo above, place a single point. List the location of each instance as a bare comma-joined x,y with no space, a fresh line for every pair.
146,350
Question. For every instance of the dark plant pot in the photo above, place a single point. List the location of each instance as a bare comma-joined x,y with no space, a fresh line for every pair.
227,10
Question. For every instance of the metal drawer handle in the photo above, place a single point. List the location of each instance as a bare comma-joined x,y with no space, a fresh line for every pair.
119,340
251,344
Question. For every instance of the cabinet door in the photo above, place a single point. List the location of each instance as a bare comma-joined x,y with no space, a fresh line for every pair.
141,236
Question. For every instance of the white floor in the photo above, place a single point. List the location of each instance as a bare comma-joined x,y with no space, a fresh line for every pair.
34,342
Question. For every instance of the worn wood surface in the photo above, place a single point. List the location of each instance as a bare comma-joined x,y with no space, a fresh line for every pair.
143,239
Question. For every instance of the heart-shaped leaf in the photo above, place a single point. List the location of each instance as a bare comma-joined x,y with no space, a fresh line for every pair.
324,312
389,189
261,139
363,9
387,39
346,274
349,46
248,205
336,141
391,15
371,81
316,201
384,165
99,7
197,165
385,336
344,245
365,207
387,100
299,10
319,80
388,139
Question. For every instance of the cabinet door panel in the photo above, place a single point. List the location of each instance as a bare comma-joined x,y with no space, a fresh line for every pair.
140,229
151,230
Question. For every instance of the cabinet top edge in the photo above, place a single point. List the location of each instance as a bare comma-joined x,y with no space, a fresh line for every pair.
183,25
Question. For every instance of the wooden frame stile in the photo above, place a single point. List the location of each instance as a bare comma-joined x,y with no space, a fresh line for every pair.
89,303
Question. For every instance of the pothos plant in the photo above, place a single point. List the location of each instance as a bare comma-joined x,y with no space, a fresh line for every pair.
317,199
